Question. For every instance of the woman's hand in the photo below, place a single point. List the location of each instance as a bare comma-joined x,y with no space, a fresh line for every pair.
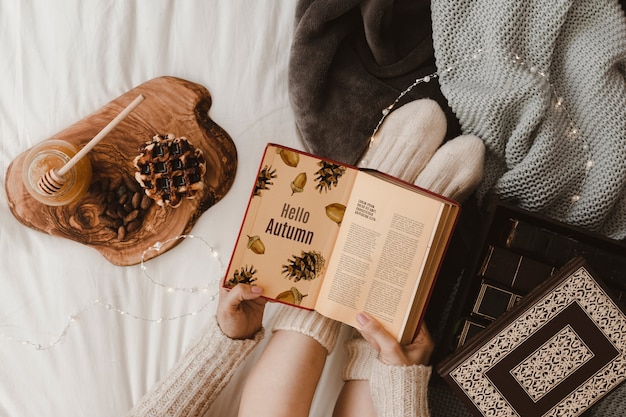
389,350
240,311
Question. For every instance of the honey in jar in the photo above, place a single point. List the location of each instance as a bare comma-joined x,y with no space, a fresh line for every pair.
53,154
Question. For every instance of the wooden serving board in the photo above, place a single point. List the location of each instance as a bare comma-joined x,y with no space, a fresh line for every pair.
171,105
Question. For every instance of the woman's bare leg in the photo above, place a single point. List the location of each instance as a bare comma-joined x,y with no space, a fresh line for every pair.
355,400
284,379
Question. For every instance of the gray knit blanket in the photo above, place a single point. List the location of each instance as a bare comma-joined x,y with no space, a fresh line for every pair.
543,84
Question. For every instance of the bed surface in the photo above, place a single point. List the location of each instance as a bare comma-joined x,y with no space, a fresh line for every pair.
78,335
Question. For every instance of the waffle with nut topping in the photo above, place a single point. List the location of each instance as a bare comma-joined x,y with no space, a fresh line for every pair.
170,169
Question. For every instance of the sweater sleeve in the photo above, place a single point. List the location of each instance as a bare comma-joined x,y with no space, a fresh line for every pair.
198,377
400,391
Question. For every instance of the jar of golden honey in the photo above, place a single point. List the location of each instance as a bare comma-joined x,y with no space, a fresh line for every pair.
53,154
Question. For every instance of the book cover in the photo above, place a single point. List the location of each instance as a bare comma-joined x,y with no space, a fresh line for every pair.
556,353
330,237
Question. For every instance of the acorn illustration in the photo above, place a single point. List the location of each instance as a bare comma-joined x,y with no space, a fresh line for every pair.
335,212
290,158
297,185
291,296
255,244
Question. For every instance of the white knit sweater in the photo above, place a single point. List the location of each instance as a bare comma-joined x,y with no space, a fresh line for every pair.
543,84
198,377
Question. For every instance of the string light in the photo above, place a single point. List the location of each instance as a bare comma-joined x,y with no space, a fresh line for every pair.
385,112
425,79
157,247
73,318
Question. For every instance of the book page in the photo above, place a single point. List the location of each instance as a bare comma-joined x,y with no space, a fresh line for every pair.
290,225
380,253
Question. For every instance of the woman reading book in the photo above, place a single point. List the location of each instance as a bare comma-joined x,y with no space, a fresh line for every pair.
382,377
199,376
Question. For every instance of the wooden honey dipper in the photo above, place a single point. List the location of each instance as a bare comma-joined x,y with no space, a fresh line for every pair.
54,179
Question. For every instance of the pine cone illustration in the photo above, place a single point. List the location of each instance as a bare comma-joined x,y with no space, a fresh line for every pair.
264,180
307,266
244,276
328,175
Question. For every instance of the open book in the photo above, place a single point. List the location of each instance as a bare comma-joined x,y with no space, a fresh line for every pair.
337,239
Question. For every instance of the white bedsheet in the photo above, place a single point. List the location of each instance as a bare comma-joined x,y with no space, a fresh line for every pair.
61,61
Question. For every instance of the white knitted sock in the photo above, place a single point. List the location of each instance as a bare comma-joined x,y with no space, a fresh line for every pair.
407,139
309,323
456,169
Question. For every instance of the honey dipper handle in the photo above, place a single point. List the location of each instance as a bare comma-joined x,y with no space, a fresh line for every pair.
105,131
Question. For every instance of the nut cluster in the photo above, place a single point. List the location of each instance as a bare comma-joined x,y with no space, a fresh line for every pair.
125,205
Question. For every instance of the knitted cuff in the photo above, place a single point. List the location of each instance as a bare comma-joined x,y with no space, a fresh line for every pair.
309,323
400,390
197,378
360,357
